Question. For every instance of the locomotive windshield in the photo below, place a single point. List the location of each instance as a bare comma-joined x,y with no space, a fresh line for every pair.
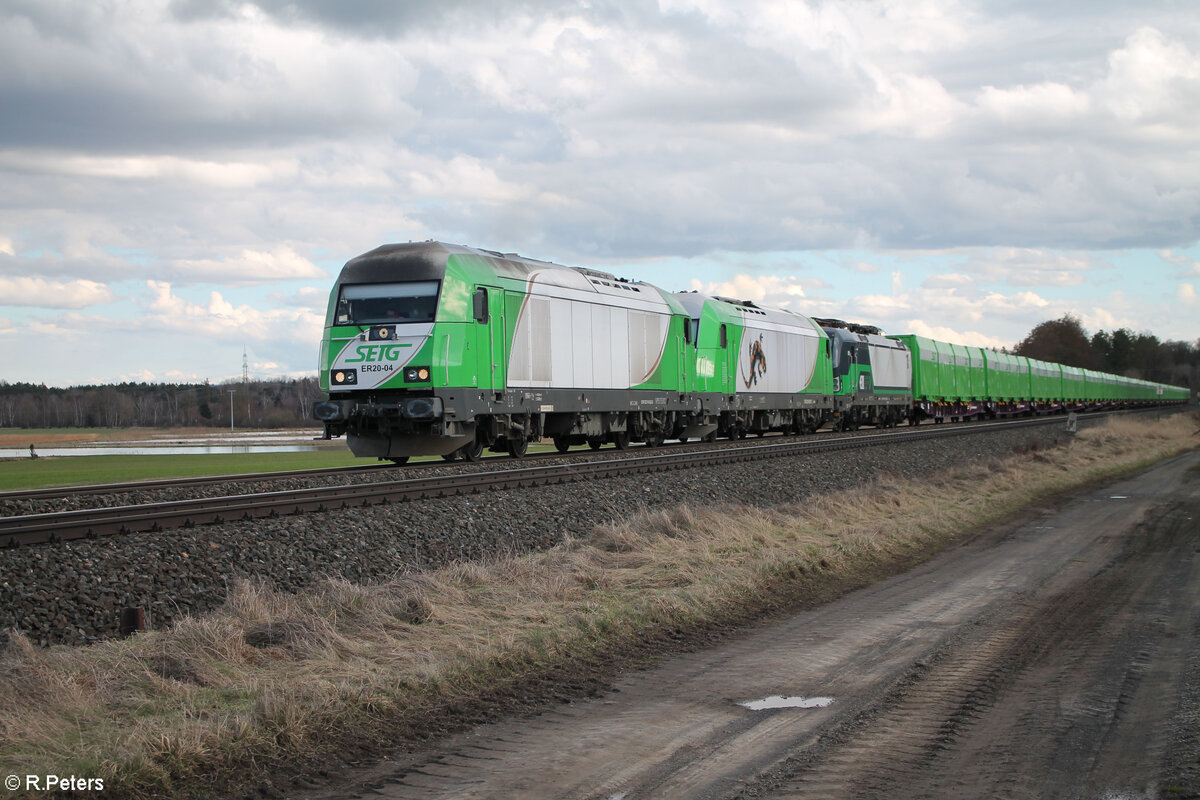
374,303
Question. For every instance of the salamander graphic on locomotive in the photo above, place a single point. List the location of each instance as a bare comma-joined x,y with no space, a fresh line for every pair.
434,349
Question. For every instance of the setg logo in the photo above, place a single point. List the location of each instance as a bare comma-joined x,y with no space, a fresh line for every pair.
376,353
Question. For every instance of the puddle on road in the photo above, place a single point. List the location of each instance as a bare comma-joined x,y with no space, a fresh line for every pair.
779,701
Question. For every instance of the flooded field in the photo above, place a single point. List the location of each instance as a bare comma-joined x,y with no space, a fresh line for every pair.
141,442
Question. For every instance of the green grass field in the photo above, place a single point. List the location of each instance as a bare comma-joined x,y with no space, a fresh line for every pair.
27,473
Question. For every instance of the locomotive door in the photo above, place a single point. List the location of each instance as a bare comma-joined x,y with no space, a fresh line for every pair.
490,338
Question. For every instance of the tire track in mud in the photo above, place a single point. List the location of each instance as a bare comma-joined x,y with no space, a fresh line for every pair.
1066,697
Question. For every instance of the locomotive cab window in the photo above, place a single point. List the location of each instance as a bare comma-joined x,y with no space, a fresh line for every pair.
689,328
374,303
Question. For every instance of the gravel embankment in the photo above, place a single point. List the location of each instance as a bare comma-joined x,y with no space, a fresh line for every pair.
74,593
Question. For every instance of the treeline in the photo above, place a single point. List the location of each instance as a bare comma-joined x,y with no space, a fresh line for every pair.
1121,352
256,404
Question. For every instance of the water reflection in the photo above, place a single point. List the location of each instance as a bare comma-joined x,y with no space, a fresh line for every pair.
296,441
158,450
779,701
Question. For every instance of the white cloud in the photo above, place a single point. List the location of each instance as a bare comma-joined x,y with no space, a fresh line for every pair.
311,297
1186,293
6,246
1019,266
173,169
221,320
954,336
1154,82
773,290
1188,267
53,294
1039,105
248,267
948,280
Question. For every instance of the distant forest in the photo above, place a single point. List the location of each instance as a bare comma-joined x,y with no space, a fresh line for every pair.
289,403
256,404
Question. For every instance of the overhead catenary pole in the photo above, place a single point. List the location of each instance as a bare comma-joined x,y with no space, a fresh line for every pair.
231,410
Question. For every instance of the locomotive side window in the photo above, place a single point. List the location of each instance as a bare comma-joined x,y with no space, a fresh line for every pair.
481,305
724,336
373,303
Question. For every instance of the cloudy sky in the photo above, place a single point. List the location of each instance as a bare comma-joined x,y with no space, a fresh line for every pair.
181,179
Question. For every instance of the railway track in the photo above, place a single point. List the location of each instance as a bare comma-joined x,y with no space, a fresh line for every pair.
65,526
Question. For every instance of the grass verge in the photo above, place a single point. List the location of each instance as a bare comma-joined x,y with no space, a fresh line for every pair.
28,473
227,699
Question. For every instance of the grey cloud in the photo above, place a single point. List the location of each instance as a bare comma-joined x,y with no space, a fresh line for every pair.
371,19
116,78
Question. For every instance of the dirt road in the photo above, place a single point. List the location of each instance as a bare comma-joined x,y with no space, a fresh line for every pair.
1057,656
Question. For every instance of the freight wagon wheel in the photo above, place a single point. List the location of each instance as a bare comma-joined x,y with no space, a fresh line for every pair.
562,444
595,443
517,447
450,456
472,451
621,439
399,460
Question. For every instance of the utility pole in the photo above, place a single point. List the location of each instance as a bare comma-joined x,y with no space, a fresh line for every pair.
231,410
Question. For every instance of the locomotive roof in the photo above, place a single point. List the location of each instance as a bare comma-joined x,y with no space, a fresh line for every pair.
427,261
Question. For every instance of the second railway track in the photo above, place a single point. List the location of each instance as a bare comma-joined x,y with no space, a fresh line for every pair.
46,528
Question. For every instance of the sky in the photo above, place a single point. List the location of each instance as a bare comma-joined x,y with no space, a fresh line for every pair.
181,180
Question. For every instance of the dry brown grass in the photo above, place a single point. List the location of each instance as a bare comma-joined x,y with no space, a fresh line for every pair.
271,676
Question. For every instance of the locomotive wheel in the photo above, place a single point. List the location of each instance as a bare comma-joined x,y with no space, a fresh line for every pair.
562,444
472,451
517,447
621,439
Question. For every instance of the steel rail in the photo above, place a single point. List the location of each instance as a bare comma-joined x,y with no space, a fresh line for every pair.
154,517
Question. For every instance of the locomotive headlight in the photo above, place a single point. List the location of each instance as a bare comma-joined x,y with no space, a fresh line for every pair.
416,374
344,377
